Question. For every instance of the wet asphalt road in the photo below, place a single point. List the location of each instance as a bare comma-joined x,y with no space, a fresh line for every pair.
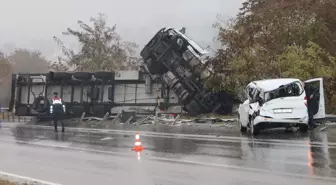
92,156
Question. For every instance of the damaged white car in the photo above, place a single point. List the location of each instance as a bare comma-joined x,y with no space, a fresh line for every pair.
275,103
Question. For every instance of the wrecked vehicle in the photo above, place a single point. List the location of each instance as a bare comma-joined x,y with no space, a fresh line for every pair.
282,102
179,63
94,94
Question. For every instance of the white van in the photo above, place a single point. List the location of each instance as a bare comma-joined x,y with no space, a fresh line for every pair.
280,102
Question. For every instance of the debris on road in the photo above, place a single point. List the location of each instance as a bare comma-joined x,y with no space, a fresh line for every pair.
168,119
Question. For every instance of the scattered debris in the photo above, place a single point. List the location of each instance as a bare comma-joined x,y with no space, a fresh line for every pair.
168,119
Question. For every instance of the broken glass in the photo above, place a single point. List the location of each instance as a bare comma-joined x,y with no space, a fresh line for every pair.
289,90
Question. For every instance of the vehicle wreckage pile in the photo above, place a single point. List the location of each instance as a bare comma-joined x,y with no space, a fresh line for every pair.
172,62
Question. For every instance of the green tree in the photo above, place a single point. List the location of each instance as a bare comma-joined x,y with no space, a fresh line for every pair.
271,39
101,47
307,63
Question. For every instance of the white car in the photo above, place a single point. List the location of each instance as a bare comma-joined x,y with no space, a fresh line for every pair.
281,102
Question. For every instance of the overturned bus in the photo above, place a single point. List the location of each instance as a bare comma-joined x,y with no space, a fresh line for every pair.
95,93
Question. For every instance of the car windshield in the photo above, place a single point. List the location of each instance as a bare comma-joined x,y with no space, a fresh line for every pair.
288,90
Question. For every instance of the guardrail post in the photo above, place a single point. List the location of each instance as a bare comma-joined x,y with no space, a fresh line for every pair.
81,118
156,116
105,117
176,119
129,119
117,117
142,120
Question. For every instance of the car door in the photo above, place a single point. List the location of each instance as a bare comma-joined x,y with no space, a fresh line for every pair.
315,87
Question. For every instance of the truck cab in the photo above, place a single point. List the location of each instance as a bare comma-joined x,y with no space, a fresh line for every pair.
181,64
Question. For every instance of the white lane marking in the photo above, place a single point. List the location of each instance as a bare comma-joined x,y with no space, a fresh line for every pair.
106,138
255,170
200,137
181,136
29,179
67,146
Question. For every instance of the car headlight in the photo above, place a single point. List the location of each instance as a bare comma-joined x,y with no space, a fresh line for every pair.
279,111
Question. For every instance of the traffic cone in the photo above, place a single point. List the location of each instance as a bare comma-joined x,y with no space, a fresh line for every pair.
137,146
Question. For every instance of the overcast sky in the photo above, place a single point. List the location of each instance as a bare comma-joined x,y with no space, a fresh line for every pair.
33,23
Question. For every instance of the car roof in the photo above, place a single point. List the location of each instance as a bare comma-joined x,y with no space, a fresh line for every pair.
271,84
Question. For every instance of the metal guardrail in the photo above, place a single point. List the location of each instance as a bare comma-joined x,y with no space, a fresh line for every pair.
3,109
7,116
331,117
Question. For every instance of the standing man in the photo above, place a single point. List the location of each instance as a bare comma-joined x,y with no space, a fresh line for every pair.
57,110
310,101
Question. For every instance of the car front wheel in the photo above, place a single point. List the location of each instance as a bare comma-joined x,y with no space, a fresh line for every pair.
254,130
303,128
242,128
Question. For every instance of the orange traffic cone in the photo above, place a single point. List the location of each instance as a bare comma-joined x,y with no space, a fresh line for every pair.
137,146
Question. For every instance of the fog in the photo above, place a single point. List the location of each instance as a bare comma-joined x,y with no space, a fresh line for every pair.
32,24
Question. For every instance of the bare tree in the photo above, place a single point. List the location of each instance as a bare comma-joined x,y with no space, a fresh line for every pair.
101,47
5,71
20,61
59,66
5,68
26,61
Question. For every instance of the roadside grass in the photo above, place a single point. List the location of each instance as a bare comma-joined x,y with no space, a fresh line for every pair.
10,117
6,114
6,182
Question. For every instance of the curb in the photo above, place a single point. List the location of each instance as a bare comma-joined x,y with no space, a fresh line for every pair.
23,179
